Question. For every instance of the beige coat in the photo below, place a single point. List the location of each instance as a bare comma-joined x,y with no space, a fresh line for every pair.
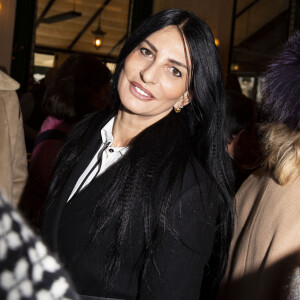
266,240
13,171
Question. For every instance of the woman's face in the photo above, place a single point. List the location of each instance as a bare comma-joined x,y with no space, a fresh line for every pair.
154,77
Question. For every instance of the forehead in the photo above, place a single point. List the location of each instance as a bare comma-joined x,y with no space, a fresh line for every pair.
171,31
170,40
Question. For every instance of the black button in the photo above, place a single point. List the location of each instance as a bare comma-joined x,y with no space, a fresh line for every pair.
111,150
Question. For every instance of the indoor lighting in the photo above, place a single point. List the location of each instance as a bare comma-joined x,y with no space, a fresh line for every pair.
236,67
217,42
99,35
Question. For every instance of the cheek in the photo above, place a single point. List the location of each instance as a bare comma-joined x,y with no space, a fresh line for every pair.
125,74
131,64
173,89
121,82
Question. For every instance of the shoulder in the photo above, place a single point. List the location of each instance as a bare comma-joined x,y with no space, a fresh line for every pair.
10,103
84,131
7,83
261,189
197,194
54,123
8,96
189,175
10,108
268,213
91,123
195,174
195,207
79,139
196,181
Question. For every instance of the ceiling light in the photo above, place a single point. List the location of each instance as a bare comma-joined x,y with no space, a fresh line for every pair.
99,35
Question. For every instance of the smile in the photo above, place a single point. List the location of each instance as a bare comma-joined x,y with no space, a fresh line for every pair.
140,92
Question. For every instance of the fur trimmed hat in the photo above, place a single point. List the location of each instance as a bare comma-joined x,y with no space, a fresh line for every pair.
282,85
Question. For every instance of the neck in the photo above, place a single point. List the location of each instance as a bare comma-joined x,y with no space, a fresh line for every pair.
128,125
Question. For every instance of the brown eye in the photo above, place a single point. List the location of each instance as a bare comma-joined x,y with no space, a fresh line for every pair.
146,51
175,72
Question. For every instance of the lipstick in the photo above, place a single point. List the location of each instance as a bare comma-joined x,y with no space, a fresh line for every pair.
140,92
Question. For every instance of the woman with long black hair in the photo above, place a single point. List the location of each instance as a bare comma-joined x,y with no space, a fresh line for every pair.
140,201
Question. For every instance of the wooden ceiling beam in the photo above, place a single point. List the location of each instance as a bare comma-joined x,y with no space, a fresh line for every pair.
88,24
51,50
44,12
260,33
246,8
128,29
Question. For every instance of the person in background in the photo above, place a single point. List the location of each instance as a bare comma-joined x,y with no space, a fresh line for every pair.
13,171
139,199
27,269
242,145
266,243
31,107
81,86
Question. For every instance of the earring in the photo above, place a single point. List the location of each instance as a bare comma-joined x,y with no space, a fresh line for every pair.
177,109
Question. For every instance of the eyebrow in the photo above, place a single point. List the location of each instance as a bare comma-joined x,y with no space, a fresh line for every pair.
151,45
170,60
177,63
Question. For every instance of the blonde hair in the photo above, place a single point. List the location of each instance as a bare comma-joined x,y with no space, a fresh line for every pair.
281,147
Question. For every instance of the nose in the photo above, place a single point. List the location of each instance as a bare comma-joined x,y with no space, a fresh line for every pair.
149,74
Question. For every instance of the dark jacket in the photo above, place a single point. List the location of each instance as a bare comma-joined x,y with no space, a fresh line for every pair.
183,247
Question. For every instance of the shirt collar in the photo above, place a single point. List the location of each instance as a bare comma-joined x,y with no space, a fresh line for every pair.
106,132
107,137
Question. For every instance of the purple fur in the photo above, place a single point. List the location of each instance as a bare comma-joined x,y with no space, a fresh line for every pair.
282,85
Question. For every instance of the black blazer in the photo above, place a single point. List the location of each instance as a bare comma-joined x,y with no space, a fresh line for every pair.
176,268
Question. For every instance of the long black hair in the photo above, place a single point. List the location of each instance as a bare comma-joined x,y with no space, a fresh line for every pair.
204,115
168,144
